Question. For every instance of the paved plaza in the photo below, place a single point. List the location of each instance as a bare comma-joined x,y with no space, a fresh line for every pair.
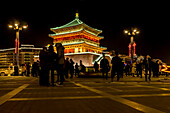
85,95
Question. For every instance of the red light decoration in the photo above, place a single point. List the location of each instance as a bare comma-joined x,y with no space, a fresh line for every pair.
16,45
129,49
134,49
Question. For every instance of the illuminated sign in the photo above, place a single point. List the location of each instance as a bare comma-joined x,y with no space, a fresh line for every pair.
165,68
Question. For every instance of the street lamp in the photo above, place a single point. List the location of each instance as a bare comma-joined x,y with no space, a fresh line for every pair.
132,44
17,27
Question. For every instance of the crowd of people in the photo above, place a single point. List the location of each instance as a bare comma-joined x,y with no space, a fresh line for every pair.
28,69
136,68
51,62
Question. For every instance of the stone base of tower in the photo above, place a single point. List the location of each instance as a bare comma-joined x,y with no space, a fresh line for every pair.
88,58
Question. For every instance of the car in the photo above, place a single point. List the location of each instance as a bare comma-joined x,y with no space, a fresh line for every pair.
6,70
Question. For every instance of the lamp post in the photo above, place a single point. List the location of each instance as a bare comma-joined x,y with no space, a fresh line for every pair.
132,44
17,27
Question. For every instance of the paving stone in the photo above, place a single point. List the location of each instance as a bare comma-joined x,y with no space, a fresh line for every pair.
67,106
83,100
161,103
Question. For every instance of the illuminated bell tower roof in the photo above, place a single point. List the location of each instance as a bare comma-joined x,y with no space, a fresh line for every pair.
78,24
78,37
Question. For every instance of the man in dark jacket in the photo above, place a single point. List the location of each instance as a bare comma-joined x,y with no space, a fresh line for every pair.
104,65
116,66
148,65
51,61
43,80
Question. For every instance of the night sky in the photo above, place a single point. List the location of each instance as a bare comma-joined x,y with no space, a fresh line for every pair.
151,18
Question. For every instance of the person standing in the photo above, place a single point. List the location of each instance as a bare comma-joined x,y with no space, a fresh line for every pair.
122,66
137,68
60,69
133,69
96,67
116,65
127,69
140,68
43,78
51,62
76,70
71,68
66,67
28,69
82,68
35,69
104,65
23,66
150,65
145,63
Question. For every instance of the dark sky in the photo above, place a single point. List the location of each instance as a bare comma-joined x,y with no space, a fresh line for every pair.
151,18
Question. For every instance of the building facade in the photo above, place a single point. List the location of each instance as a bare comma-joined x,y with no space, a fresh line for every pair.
27,54
81,42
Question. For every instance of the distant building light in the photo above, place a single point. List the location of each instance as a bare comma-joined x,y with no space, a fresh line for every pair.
36,56
26,45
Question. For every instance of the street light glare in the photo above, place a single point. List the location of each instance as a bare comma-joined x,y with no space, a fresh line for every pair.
126,31
25,26
16,25
131,32
10,26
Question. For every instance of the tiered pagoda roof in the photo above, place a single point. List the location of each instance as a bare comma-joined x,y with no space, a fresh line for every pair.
74,26
77,34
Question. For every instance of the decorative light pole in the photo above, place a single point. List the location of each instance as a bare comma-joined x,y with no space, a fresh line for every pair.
132,44
17,27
